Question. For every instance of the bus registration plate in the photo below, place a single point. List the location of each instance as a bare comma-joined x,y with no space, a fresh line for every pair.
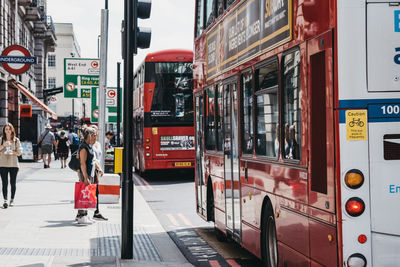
182,164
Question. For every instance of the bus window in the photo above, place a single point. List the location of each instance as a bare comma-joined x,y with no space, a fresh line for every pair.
173,93
209,134
267,132
218,90
200,17
247,113
291,105
210,12
221,5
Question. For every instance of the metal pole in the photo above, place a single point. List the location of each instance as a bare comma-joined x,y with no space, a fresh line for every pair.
118,103
73,113
127,183
103,79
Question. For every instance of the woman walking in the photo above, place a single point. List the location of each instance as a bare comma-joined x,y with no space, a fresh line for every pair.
10,149
62,144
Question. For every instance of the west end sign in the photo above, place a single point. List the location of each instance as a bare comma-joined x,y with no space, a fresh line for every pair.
80,75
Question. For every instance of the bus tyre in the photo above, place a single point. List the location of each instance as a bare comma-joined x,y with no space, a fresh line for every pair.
221,237
268,238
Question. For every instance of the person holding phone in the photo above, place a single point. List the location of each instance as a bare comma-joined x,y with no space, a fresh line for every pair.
10,149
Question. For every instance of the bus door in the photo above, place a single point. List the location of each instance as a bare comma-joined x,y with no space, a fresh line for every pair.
231,159
200,183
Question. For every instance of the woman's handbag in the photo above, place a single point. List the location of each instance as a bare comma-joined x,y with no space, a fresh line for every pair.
74,163
85,196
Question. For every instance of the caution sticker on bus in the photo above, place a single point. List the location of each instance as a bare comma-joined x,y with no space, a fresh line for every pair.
182,164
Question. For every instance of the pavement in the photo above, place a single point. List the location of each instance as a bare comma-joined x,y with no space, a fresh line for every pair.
40,229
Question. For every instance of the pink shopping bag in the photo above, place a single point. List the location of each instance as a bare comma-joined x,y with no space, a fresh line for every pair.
85,196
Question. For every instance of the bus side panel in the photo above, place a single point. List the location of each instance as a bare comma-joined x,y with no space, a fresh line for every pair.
323,245
251,239
292,230
289,257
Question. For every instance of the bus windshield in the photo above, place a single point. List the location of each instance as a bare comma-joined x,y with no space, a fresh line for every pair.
173,93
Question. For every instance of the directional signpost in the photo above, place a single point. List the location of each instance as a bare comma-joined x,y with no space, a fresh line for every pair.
16,59
80,75
111,105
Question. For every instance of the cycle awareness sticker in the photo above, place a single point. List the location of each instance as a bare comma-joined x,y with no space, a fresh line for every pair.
356,124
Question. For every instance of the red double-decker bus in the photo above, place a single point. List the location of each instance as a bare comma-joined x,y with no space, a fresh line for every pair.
163,111
297,128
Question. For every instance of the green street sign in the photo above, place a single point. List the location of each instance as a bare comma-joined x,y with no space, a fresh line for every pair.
80,75
111,106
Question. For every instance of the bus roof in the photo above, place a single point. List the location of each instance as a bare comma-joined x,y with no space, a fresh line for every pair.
170,55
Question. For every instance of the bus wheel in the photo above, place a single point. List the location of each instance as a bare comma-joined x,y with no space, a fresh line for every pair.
221,237
268,238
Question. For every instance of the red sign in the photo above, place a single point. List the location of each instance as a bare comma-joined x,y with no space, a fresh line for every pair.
70,87
25,111
96,113
16,59
95,64
111,93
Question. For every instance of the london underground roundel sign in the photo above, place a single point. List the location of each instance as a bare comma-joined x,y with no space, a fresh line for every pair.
16,59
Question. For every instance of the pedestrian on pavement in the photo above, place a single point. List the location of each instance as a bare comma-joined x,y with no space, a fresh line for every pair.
56,137
74,141
107,140
10,149
98,172
62,149
47,141
86,156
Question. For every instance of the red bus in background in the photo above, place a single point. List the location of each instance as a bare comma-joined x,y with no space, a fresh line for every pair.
297,115
163,111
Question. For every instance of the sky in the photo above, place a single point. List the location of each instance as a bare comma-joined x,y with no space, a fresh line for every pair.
171,22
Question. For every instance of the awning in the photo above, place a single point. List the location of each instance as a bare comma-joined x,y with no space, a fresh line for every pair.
32,97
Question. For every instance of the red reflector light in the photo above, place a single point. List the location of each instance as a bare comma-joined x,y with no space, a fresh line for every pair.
362,239
147,147
355,206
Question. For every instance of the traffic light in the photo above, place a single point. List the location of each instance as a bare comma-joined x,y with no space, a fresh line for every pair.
142,36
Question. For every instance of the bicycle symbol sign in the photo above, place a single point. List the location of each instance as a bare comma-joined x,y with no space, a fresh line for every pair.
356,121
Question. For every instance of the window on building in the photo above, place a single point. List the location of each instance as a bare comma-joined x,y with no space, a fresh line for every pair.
51,60
230,2
247,113
219,116
266,94
51,82
291,105
210,119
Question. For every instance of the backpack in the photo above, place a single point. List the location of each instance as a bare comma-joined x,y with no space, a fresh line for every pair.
75,164
75,140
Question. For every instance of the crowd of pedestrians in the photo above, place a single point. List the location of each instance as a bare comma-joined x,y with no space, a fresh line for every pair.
89,153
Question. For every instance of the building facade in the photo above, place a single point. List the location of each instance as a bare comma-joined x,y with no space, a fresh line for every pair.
26,23
67,47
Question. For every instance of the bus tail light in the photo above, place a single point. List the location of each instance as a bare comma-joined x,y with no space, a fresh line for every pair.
362,239
354,179
147,154
147,140
355,206
147,147
356,260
